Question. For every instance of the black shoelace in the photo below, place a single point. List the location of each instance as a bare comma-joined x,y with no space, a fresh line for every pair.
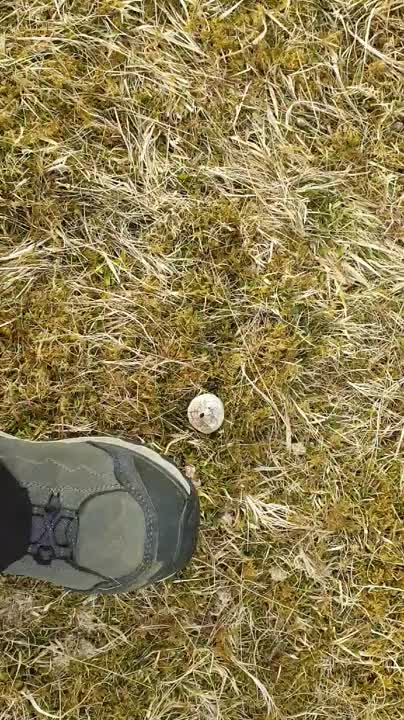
53,530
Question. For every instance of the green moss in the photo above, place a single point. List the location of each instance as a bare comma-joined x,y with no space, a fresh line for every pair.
187,204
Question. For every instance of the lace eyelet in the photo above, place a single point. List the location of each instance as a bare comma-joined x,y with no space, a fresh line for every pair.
44,555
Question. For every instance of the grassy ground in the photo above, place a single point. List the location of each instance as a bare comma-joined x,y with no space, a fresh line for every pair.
205,195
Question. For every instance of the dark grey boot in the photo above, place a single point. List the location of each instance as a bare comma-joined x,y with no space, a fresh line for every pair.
108,515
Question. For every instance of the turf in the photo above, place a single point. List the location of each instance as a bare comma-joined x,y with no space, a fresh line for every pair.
207,195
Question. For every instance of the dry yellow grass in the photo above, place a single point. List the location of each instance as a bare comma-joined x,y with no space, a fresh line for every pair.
206,195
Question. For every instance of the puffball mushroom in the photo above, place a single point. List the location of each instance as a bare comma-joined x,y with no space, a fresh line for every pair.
206,413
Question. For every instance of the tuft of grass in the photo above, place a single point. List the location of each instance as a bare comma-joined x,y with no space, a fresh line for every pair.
207,196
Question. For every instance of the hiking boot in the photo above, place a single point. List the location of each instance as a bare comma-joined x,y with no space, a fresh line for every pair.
108,516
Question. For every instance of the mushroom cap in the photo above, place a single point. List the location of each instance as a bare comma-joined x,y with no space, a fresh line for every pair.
206,413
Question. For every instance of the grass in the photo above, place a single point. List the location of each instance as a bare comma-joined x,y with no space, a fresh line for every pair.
207,195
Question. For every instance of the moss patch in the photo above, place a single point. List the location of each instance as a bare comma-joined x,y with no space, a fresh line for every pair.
203,196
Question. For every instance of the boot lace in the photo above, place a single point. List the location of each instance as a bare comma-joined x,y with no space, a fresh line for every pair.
52,532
